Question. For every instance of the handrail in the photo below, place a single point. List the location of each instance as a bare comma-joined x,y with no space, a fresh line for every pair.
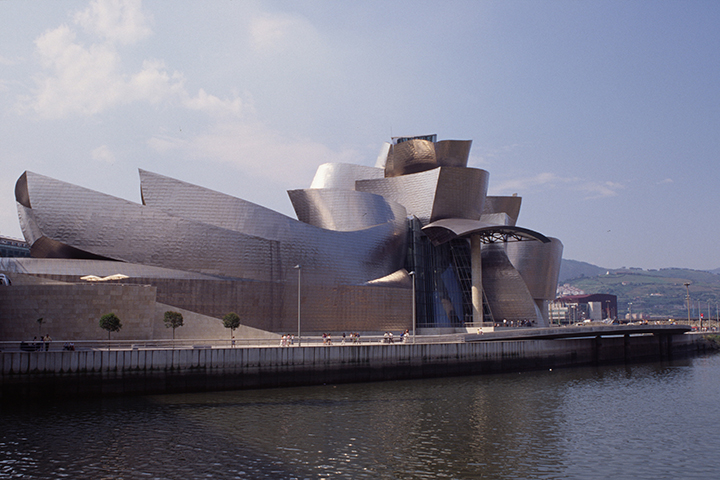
180,344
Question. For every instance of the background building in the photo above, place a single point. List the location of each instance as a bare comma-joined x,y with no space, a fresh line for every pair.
579,308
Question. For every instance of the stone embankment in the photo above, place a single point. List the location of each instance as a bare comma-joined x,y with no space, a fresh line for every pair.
56,374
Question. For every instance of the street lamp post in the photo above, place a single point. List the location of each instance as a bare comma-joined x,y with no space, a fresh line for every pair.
414,314
299,269
687,288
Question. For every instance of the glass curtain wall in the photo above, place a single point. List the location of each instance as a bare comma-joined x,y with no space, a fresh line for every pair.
443,279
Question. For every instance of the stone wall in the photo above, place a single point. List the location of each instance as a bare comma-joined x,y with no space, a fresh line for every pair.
73,311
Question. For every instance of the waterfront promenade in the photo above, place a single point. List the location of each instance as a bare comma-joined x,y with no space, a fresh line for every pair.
151,369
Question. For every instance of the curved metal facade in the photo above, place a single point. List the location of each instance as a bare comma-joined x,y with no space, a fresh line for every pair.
443,192
539,265
343,175
343,210
359,231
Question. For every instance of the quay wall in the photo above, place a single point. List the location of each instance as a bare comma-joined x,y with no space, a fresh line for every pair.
56,374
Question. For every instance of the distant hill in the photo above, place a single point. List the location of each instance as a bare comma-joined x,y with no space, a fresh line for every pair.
574,269
656,293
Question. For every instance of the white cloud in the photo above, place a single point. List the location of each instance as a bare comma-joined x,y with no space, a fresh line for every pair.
255,148
488,156
665,182
520,184
80,80
595,190
122,21
275,34
6,61
87,80
548,181
103,154
212,104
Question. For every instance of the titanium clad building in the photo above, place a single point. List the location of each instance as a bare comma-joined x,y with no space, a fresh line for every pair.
363,237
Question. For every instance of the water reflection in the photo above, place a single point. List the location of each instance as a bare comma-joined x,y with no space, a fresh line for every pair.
646,421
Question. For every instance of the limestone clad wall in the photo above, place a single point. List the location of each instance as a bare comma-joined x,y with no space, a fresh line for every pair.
73,311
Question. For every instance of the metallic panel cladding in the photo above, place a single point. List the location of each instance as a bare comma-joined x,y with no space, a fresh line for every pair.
174,236
452,153
332,257
419,155
411,156
507,205
443,192
505,289
343,175
343,210
539,265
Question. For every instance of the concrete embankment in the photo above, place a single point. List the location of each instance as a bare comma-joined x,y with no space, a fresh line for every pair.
56,374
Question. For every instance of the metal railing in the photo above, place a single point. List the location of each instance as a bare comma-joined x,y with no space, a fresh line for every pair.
184,344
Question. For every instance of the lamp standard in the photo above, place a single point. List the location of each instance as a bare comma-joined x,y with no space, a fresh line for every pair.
687,288
414,314
299,269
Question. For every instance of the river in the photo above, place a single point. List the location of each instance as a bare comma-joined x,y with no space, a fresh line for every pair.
644,421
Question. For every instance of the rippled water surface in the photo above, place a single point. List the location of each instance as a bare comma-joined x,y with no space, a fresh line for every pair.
649,421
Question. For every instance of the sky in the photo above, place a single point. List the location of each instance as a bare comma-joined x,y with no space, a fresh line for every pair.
604,116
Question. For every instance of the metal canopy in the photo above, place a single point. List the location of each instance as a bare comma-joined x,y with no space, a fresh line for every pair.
444,230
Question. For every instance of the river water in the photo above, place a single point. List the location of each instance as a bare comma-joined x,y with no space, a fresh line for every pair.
646,421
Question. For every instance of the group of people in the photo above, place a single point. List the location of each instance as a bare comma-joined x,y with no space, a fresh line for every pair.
513,323
354,337
37,345
45,339
388,337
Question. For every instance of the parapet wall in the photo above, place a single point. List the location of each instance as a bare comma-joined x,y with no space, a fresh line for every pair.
122,372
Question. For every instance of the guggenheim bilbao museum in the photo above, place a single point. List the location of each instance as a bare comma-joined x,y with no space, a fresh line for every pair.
415,239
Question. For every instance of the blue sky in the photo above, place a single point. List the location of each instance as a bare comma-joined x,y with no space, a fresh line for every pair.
603,115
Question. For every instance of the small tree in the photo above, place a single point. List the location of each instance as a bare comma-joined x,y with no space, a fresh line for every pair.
111,323
173,320
231,321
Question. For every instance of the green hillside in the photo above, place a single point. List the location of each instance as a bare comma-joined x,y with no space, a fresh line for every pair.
655,293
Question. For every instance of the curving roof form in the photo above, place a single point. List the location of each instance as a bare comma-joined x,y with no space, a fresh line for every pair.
344,210
443,192
172,232
444,230
538,264
186,200
452,153
343,175
418,155
508,205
